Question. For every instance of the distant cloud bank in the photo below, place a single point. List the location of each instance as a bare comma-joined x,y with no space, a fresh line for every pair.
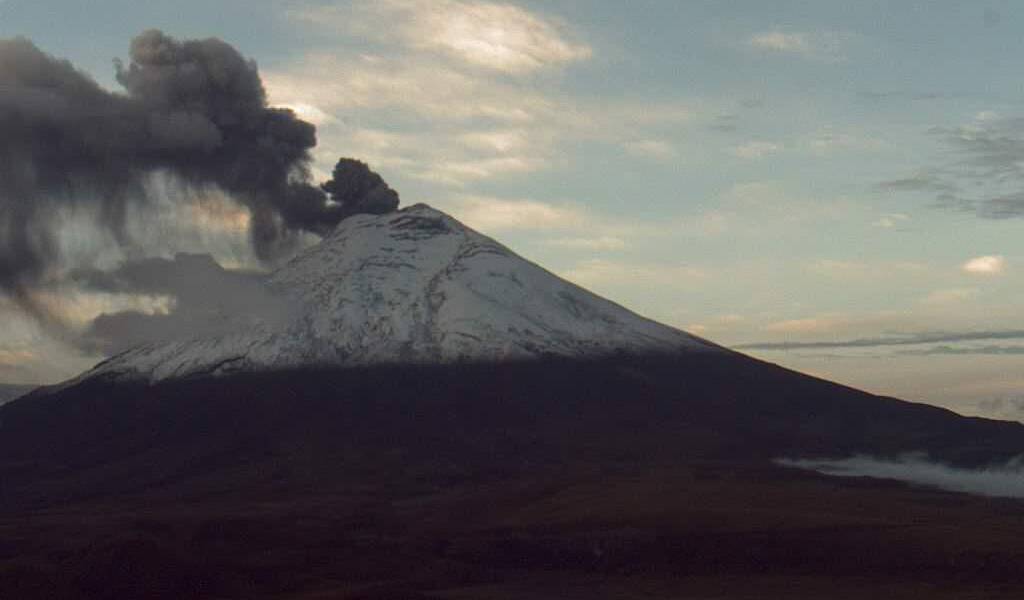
892,340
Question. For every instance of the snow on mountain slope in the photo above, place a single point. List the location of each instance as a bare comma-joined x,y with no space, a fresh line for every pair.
412,286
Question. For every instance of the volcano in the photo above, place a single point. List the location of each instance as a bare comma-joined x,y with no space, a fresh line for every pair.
411,287
433,416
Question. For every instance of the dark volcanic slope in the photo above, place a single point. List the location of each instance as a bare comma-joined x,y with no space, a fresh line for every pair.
621,478
9,392
458,421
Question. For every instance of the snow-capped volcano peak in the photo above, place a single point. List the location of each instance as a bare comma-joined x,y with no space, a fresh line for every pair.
411,286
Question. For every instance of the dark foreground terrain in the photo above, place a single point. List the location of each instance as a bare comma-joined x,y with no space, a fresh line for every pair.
625,478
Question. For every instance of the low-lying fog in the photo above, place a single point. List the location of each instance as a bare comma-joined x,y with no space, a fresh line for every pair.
1001,481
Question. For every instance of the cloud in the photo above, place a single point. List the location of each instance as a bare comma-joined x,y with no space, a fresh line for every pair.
458,172
891,220
969,350
498,214
456,92
33,355
497,36
925,181
828,140
453,160
805,325
901,95
192,109
725,123
911,339
77,308
604,242
601,272
763,201
985,265
720,322
848,270
9,358
197,296
496,140
309,113
428,120
781,42
1010,407
414,84
825,46
566,225
756,149
1000,481
950,296
659,150
986,175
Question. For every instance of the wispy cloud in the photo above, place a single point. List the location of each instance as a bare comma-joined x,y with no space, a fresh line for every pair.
448,92
928,180
828,45
602,272
804,325
455,160
891,220
985,175
490,35
827,140
910,339
458,172
660,150
604,242
968,350
499,214
985,265
756,149
782,42
855,270
567,225
496,140
11,358
773,201
417,85
950,296
716,323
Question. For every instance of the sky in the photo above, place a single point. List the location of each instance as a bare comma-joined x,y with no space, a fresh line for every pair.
837,187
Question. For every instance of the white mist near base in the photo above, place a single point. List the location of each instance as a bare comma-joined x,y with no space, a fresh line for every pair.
412,286
1001,481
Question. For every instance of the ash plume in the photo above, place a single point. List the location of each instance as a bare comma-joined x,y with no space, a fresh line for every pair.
208,299
195,109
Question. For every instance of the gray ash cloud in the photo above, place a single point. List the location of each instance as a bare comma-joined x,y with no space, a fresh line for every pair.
195,109
208,299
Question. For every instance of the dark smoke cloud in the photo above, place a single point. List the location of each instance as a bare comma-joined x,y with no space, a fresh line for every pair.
195,109
207,299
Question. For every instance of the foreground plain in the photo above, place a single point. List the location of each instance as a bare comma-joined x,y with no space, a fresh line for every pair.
634,477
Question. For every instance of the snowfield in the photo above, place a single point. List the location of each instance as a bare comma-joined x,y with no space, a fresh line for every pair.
413,286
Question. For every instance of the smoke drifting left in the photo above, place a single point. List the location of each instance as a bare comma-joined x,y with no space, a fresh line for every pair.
194,109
